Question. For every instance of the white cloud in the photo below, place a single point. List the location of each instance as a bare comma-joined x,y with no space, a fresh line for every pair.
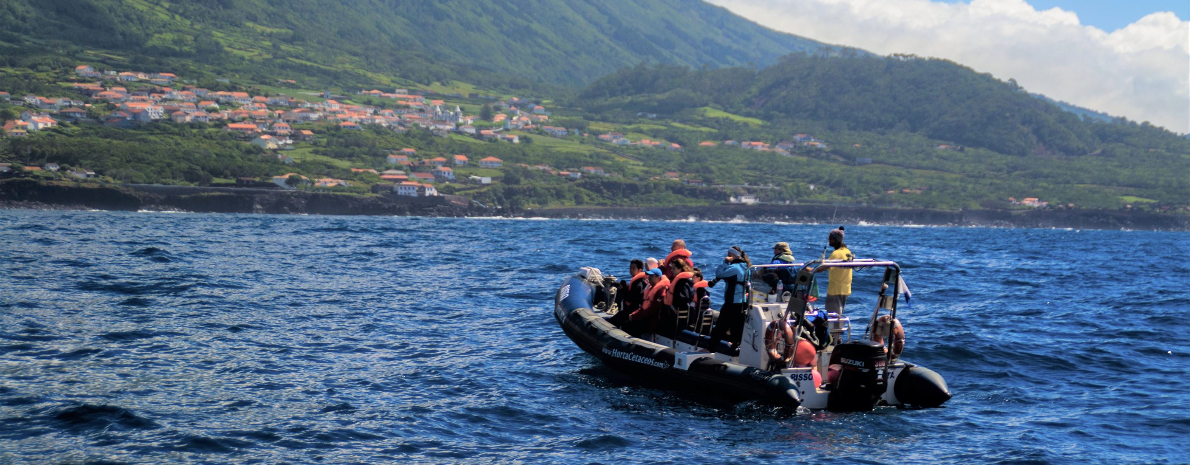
1141,71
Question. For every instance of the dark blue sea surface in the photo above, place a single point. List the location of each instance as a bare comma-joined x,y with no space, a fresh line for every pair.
154,338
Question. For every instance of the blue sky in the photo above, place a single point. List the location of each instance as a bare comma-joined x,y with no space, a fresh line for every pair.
1110,15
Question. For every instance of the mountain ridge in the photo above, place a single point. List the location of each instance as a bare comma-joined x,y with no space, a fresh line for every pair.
551,41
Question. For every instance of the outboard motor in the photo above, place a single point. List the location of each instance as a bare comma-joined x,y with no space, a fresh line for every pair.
858,385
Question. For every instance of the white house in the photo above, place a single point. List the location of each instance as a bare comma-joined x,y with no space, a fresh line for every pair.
491,162
408,188
266,142
746,199
444,173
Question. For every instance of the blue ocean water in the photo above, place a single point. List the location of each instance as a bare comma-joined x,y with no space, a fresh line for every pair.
151,338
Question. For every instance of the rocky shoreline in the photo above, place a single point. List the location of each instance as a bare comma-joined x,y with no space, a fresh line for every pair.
32,194
21,193
848,214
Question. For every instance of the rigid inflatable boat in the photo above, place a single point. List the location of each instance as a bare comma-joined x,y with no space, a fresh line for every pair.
845,374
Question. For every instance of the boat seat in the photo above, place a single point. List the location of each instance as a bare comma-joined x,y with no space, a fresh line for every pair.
704,341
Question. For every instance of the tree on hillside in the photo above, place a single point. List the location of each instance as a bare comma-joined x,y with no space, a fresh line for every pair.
485,112
8,114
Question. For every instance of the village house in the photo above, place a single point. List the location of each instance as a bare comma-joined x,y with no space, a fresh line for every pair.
482,180
746,199
436,161
37,121
423,177
395,159
244,128
73,114
407,188
266,142
593,170
283,180
491,162
444,173
427,190
554,131
460,160
330,182
52,167
87,71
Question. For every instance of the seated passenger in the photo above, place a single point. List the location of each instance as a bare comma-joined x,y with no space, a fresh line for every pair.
651,263
781,256
632,293
679,301
678,252
644,319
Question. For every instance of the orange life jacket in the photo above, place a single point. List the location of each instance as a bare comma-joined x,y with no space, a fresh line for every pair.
662,287
701,284
680,253
669,296
638,277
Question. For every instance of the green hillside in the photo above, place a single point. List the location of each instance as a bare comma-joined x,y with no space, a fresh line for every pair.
836,126
553,41
934,98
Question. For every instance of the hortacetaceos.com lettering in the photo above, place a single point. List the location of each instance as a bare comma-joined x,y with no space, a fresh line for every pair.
631,357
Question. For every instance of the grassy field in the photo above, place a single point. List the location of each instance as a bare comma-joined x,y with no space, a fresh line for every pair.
561,145
599,126
690,127
714,113
306,154
1135,199
301,94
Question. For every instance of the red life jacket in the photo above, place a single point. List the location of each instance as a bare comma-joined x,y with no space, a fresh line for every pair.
701,284
669,296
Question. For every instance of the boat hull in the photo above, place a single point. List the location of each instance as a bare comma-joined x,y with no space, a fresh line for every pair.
701,373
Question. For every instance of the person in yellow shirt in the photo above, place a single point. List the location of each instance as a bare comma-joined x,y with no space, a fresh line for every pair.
839,279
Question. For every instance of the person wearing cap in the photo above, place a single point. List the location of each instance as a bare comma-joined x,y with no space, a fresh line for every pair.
736,272
839,279
644,319
781,256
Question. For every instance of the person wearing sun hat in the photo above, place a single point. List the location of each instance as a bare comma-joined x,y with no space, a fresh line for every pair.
781,256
